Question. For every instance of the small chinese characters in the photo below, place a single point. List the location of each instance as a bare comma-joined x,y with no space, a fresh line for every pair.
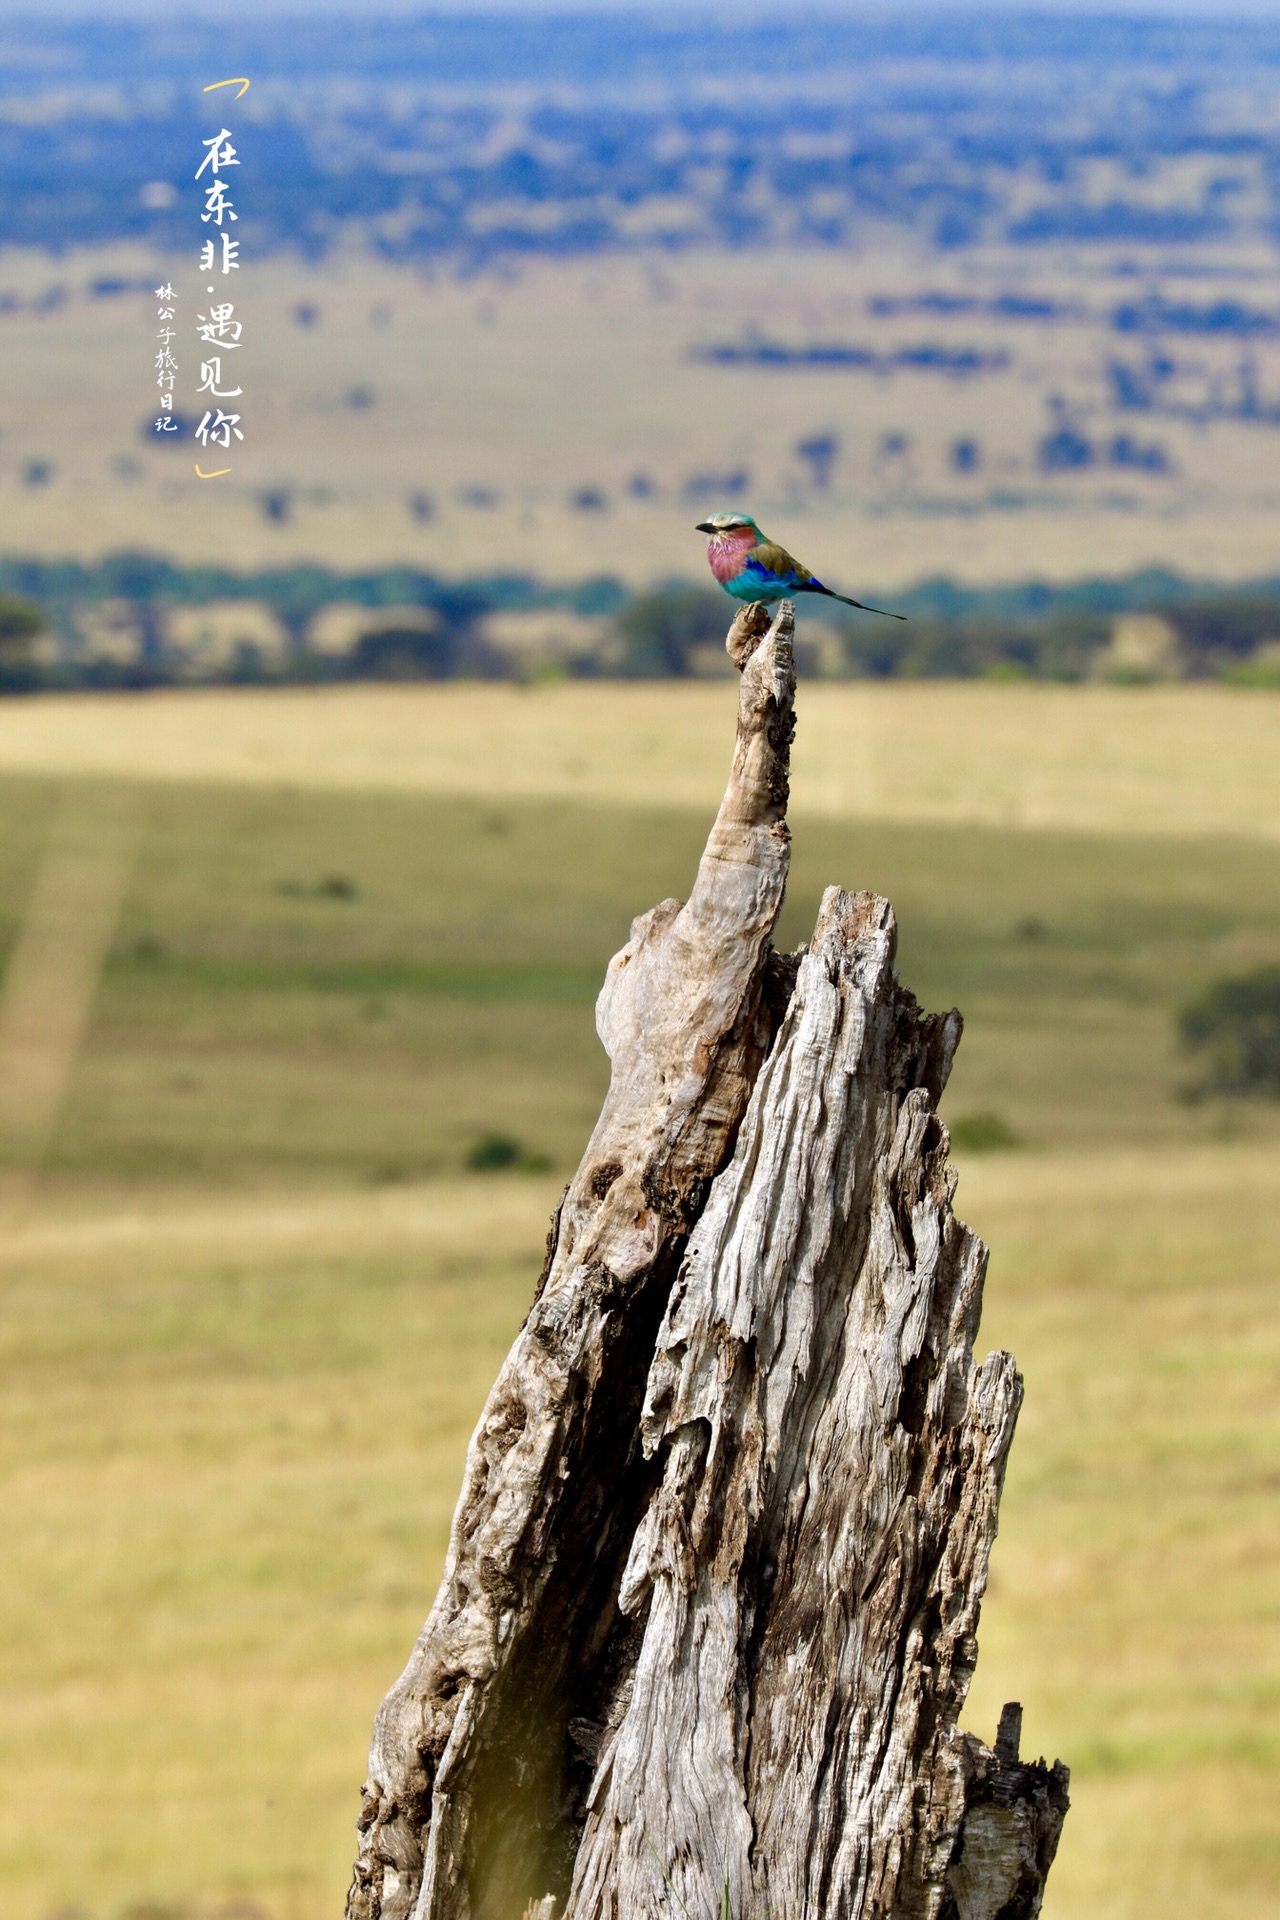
218,329
166,361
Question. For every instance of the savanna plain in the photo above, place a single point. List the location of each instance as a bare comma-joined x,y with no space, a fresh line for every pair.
256,1277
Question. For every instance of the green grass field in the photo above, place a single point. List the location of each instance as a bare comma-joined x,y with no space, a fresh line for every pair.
250,1308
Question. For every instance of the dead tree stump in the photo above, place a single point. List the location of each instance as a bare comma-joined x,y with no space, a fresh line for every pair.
708,1615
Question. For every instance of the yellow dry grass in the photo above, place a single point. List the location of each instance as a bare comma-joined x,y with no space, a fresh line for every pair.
1187,760
1132,1602
235,1429
232,1422
232,1438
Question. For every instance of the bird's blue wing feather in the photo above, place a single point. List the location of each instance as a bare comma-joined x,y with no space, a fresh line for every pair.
766,576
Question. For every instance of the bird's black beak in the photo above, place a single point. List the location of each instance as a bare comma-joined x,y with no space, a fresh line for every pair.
704,526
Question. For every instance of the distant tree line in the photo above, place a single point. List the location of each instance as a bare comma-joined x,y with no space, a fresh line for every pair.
407,624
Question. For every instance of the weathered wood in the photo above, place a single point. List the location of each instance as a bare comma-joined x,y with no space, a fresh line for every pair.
473,1799
709,1610
810,1572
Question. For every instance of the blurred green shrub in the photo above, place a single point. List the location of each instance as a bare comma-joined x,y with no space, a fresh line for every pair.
404,653
1234,1028
331,886
982,1133
19,624
502,1153
659,630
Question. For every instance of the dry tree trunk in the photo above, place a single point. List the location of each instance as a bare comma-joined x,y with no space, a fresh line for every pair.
707,1619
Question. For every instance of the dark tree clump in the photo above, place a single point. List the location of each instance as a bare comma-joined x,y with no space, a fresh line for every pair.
1234,1027
658,630
19,624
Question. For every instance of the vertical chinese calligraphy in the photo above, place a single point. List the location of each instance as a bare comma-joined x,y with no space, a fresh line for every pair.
218,329
166,362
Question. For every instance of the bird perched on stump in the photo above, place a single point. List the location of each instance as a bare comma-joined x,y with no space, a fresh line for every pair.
752,568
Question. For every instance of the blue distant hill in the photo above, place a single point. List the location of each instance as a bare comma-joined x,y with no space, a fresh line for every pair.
513,135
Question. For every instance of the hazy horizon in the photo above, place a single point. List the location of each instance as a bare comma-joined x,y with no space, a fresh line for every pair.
153,11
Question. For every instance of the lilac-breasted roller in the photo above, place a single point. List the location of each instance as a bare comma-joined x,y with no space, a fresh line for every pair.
752,568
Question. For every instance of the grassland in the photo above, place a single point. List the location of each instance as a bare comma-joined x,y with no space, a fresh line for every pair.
508,395
1192,761
250,1310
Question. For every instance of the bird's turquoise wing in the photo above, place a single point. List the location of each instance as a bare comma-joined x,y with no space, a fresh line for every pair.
772,565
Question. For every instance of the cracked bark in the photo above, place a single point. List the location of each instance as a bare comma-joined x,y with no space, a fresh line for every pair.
709,1608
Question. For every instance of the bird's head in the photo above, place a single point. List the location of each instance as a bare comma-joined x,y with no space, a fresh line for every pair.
730,526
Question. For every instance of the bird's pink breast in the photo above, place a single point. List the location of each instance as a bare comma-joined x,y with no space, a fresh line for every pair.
727,553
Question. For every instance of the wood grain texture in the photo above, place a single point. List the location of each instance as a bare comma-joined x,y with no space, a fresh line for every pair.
709,1609
810,1571
476,1776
